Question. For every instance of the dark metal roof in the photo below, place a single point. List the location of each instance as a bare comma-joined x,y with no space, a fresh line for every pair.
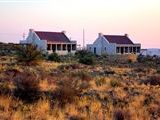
118,39
59,37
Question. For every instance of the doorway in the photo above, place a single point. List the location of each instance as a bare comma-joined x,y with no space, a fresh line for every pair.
95,50
122,50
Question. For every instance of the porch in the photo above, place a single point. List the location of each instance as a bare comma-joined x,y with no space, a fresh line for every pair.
61,48
128,49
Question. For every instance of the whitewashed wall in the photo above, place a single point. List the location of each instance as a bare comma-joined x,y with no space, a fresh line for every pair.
34,39
102,46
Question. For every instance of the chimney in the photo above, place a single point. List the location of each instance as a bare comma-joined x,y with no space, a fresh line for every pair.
126,35
100,34
64,32
31,30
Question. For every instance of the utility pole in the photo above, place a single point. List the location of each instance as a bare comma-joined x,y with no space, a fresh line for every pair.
24,35
83,39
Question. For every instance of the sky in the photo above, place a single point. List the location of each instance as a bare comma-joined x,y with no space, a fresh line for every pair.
140,19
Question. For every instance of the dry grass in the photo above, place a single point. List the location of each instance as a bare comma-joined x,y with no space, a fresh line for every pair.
87,92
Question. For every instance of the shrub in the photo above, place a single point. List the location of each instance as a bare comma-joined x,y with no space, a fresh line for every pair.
149,59
87,60
154,80
121,115
54,57
140,58
81,53
26,87
29,54
65,93
85,57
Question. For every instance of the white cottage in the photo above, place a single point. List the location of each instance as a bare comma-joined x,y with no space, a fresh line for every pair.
113,44
51,42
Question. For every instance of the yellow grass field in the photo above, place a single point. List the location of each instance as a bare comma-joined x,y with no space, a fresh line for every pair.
73,91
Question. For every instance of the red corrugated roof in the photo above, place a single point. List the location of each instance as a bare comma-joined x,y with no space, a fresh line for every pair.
58,37
118,39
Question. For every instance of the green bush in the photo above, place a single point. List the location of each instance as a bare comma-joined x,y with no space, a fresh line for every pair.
87,60
85,57
142,58
149,59
29,54
54,57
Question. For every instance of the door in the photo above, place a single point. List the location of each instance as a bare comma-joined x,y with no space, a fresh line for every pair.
95,50
69,48
122,50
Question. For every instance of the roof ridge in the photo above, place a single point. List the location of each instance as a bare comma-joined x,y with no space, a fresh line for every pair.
116,35
48,32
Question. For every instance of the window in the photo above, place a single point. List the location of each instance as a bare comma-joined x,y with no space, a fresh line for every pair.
118,50
48,46
130,49
58,46
69,47
126,49
73,46
54,47
134,50
64,47
138,50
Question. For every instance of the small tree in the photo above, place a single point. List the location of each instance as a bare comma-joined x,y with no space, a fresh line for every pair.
29,54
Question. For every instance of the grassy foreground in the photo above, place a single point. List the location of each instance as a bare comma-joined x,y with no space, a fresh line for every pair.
72,91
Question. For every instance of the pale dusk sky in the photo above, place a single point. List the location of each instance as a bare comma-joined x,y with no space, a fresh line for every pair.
138,18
